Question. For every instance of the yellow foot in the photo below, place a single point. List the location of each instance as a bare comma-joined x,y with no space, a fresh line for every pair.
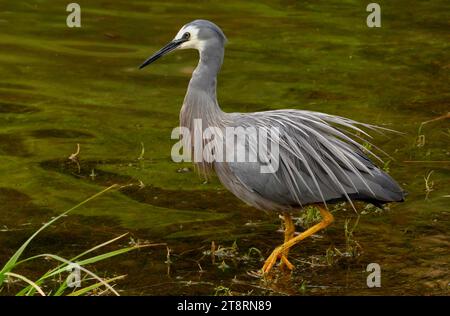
289,240
272,259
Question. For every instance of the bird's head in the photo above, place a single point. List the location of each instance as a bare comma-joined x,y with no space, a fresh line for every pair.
198,34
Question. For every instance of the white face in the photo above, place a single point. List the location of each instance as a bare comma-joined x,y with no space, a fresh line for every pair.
193,42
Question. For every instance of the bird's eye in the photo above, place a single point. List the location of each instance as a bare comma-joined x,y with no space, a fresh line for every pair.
186,35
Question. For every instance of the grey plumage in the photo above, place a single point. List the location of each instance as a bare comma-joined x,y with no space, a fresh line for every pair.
321,158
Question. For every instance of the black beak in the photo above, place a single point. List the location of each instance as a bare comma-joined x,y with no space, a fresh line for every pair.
163,51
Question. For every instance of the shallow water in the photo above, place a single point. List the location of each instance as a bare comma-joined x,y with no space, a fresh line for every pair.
60,87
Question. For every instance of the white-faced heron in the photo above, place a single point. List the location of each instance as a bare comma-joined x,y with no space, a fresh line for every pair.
319,160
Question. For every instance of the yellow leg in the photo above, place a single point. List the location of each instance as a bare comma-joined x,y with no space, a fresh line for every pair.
289,231
279,252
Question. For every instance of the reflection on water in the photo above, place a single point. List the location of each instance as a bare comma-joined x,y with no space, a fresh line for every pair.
61,87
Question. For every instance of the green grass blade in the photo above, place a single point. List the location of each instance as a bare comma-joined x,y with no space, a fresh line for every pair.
61,289
92,274
14,258
63,267
94,286
47,274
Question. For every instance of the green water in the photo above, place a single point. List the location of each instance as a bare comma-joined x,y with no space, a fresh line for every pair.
60,87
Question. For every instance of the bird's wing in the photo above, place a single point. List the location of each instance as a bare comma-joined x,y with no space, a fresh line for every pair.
319,160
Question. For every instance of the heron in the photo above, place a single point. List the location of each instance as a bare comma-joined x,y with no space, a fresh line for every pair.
322,157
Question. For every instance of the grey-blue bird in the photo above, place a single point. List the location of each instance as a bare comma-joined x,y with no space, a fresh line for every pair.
319,160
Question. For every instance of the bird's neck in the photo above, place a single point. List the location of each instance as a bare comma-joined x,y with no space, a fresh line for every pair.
204,77
201,100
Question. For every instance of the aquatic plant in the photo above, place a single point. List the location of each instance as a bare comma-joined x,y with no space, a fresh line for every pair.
99,286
